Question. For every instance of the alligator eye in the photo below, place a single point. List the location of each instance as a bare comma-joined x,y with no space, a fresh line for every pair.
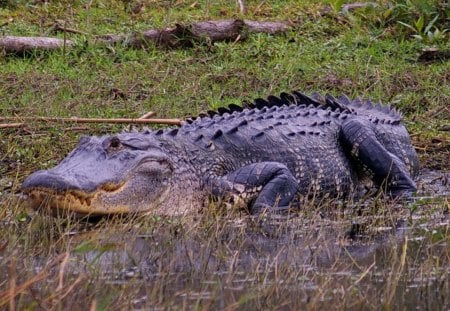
114,143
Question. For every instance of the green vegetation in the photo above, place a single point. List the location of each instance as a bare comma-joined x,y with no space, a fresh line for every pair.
343,257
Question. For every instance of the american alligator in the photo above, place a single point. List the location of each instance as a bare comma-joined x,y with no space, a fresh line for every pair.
264,156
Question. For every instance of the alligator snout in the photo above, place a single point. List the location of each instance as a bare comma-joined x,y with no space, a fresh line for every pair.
49,180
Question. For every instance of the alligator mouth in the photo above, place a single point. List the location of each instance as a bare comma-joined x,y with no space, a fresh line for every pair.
75,201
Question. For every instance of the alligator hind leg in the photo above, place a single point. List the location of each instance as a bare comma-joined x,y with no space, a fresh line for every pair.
359,139
271,184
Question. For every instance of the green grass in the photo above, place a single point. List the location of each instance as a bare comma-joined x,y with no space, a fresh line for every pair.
218,259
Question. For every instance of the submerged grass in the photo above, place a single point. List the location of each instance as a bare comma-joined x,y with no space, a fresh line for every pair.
329,255
323,256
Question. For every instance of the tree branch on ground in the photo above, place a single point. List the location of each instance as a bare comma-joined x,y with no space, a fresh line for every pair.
24,120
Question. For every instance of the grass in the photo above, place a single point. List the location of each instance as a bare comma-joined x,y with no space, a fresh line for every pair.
373,255
217,261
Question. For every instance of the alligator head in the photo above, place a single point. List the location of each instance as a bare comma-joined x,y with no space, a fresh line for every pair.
104,175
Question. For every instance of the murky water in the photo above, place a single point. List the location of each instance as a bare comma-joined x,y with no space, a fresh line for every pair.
368,255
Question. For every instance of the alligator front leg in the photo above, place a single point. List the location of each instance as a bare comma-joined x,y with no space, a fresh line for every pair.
359,140
270,184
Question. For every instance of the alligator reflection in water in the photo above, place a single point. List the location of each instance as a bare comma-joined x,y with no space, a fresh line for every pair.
379,253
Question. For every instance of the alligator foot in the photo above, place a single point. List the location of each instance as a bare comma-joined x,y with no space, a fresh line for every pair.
360,141
269,184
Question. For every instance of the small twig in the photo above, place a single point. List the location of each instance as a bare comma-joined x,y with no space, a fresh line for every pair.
11,125
148,115
93,305
353,6
61,271
76,129
58,27
94,120
242,7
420,148
3,245
64,45
258,8
236,40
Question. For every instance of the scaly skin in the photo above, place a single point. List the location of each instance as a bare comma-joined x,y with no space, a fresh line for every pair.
261,156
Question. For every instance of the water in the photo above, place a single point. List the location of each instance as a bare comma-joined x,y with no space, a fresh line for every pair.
368,255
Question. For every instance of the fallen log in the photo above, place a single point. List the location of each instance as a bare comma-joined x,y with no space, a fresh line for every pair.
179,36
189,35
20,45
266,27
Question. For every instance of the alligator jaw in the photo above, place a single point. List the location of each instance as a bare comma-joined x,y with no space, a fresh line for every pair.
72,201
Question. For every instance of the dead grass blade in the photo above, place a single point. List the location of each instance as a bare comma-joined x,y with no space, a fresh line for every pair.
8,295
